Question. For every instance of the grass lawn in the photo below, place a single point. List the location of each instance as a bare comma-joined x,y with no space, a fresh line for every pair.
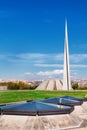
15,96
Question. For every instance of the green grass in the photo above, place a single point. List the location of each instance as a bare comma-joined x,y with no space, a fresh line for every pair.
15,96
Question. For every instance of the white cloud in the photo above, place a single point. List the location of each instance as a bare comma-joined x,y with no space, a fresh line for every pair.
49,65
78,66
28,73
37,62
42,56
2,56
59,56
31,56
78,57
61,65
34,62
50,73
45,60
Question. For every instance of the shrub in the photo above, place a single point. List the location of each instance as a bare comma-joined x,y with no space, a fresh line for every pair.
13,86
3,84
20,86
82,88
75,86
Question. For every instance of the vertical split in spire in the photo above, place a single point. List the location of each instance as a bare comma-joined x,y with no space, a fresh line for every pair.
66,76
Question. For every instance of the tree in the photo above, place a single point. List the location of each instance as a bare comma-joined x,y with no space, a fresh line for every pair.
75,86
12,86
20,86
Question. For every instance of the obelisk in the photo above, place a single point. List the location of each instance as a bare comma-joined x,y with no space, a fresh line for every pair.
66,74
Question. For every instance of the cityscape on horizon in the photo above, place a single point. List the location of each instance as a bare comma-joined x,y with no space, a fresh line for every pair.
32,39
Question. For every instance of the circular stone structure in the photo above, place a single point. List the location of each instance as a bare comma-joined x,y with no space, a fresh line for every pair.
51,122
79,108
35,108
62,101
37,115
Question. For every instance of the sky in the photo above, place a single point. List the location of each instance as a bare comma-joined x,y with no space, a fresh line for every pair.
32,38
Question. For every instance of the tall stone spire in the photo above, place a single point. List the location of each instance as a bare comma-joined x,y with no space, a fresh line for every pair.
66,75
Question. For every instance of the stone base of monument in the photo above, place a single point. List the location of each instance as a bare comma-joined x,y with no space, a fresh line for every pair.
79,110
52,122
84,105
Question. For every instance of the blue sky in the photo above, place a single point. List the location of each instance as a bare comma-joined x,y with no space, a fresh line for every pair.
32,38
